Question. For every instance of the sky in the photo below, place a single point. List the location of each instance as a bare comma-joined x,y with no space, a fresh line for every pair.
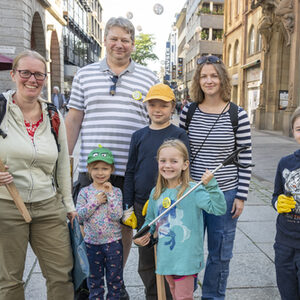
143,15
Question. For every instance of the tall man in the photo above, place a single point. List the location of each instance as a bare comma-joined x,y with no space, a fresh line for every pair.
106,105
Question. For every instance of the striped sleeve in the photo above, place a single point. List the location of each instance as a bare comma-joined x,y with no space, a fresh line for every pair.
243,138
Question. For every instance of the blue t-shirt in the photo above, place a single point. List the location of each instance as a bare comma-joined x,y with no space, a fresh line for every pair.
180,231
142,168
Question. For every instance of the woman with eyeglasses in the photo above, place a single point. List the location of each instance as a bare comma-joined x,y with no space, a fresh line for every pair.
216,127
40,170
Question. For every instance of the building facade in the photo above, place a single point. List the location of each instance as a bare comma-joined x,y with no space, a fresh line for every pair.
261,48
43,25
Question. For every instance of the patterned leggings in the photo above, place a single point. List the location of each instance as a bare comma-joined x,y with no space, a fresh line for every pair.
106,259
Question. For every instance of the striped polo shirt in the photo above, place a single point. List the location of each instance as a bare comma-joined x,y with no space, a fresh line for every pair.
220,143
110,120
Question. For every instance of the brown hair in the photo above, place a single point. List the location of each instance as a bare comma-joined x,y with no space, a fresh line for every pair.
197,94
162,183
295,116
28,53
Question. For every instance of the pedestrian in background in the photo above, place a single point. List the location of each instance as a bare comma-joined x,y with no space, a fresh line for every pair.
141,172
58,99
212,138
99,208
41,173
180,254
106,104
286,201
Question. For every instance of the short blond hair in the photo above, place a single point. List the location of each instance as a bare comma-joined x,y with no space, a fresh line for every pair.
28,53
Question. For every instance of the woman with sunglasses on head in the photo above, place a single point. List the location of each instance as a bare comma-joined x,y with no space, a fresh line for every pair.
212,138
39,168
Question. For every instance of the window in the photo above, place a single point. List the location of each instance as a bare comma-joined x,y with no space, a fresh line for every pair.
217,34
236,54
259,43
205,34
251,41
229,58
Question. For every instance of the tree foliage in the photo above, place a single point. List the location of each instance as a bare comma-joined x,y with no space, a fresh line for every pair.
144,44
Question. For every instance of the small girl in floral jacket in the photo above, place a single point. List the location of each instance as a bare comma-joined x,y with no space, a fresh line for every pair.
99,207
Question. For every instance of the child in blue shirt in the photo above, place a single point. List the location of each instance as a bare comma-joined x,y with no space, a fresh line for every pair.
286,200
141,171
180,231
99,208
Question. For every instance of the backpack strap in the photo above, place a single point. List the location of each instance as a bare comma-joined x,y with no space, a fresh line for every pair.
189,115
54,121
3,102
233,113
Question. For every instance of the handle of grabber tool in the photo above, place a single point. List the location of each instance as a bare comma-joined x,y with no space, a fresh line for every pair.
231,159
16,197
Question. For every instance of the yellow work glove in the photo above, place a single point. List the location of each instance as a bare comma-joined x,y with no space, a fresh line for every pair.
285,203
145,207
129,218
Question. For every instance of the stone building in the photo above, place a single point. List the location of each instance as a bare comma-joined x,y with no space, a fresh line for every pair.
261,48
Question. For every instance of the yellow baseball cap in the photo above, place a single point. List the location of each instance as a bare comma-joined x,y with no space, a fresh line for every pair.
160,91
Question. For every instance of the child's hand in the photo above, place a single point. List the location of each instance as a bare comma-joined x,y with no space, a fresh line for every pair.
143,240
101,198
207,177
108,188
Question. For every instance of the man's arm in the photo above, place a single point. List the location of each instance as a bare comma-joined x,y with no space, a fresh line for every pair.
73,124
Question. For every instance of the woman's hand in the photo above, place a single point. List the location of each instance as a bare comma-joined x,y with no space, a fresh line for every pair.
71,216
237,208
5,177
143,240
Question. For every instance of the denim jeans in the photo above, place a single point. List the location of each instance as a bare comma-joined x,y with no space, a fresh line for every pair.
287,264
220,235
106,259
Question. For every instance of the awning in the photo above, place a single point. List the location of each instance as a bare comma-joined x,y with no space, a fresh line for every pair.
5,63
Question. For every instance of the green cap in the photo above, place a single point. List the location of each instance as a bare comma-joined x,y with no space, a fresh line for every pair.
101,154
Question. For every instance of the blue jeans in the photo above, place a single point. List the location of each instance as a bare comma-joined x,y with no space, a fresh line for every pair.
287,264
220,234
106,259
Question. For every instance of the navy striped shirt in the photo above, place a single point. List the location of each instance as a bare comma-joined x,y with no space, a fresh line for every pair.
220,143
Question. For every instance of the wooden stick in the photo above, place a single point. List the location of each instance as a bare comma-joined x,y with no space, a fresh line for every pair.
11,187
160,279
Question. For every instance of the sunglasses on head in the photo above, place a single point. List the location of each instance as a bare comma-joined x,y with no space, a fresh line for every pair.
208,59
113,88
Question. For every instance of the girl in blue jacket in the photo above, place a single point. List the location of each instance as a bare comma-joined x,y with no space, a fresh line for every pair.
180,231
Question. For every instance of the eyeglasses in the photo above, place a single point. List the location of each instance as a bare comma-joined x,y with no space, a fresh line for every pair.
25,74
209,59
113,88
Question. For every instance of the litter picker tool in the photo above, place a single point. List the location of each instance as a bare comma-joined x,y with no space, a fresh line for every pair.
11,187
231,159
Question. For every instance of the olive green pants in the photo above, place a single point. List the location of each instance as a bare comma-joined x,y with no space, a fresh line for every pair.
49,238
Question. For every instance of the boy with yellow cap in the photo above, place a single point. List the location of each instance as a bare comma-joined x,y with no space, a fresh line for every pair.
142,169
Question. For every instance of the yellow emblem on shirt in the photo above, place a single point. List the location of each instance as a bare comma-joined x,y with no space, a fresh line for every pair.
166,202
137,95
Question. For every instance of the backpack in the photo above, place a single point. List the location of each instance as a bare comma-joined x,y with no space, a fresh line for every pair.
233,113
53,116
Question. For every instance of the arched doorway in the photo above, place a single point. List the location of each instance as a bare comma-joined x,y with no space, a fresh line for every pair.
37,35
55,61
